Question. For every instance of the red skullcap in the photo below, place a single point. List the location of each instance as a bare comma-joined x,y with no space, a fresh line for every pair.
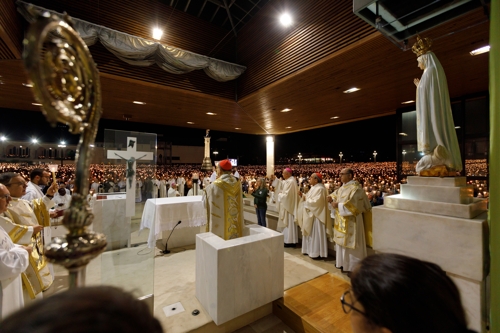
319,175
225,165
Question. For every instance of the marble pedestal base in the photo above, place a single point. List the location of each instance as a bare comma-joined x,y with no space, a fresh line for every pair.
438,220
237,276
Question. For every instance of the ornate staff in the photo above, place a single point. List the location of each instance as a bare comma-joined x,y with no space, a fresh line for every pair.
66,82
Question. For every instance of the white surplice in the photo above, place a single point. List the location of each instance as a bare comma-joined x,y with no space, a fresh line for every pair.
287,207
13,261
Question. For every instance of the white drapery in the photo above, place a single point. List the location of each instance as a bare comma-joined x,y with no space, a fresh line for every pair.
138,51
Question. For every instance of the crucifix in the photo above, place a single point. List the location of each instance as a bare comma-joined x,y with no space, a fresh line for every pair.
131,155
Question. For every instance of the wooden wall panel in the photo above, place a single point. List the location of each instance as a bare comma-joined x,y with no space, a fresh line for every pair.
271,52
10,31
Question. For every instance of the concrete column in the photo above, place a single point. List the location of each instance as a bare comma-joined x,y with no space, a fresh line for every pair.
269,155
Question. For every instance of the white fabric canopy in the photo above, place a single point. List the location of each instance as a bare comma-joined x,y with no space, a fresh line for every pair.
138,51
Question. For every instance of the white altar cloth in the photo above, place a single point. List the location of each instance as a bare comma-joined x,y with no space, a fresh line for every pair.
110,219
165,213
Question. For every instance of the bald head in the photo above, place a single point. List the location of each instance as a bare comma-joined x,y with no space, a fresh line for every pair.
4,198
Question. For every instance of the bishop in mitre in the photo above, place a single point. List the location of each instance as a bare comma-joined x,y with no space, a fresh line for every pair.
314,219
436,135
223,200
351,208
287,202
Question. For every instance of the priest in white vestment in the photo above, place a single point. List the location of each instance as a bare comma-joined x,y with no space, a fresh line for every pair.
436,134
349,204
14,259
163,188
287,201
181,182
314,219
223,200
172,191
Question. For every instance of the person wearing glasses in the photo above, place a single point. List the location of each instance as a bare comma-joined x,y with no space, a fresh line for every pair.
34,213
349,204
391,293
14,259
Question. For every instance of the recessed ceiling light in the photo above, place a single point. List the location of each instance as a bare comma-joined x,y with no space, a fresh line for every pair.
37,104
457,127
285,19
336,117
403,134
348,91
480,50
29,85
157,33
211,113
237,128
137,102
286,110
408,102
288,127
190,122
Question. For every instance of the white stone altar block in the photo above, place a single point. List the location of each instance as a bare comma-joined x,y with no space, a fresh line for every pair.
236,276
111,220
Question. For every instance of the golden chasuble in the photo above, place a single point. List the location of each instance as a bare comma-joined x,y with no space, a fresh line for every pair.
37,277
224,202
354,199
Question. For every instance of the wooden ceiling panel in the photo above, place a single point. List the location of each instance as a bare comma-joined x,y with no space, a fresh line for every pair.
10,31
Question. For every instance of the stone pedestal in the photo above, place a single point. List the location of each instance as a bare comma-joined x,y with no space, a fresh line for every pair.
438,220
236,276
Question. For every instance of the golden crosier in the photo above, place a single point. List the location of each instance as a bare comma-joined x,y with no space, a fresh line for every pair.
66,82
422,46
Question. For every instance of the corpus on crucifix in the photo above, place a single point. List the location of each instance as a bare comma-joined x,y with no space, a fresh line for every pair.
131,155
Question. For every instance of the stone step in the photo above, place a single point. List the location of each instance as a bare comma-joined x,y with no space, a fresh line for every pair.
437,181
465,211
457,195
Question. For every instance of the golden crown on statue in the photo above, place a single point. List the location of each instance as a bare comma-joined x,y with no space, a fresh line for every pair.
422,46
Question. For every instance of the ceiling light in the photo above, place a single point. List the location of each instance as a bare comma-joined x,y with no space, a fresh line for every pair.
157,33
288,127
285,19
403,134
480,50
211,113
408,102
457,127
286,110
29,85
190,122
336,117
348,91
237,128
37,104
140,103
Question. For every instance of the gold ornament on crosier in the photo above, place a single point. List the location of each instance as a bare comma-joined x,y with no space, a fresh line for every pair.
422,46
66,82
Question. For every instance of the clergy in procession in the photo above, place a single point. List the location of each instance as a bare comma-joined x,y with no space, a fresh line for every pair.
172,191
287,201
350,204
14,259
223,200
314,219
23,213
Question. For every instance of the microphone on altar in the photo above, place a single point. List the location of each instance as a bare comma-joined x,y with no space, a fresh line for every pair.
166,251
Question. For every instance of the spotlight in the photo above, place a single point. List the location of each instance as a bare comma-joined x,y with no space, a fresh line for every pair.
286,19
157,33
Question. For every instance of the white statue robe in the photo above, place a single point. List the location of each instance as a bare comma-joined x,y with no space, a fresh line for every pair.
315,221
180,185
163,188
13,261
349,228
435,125
287,202
223,200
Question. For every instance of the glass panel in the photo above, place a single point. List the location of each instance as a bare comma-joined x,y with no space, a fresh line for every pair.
410,158
477,116
409,126
117,202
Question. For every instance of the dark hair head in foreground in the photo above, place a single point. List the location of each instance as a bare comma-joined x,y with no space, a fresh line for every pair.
84,310
402,294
